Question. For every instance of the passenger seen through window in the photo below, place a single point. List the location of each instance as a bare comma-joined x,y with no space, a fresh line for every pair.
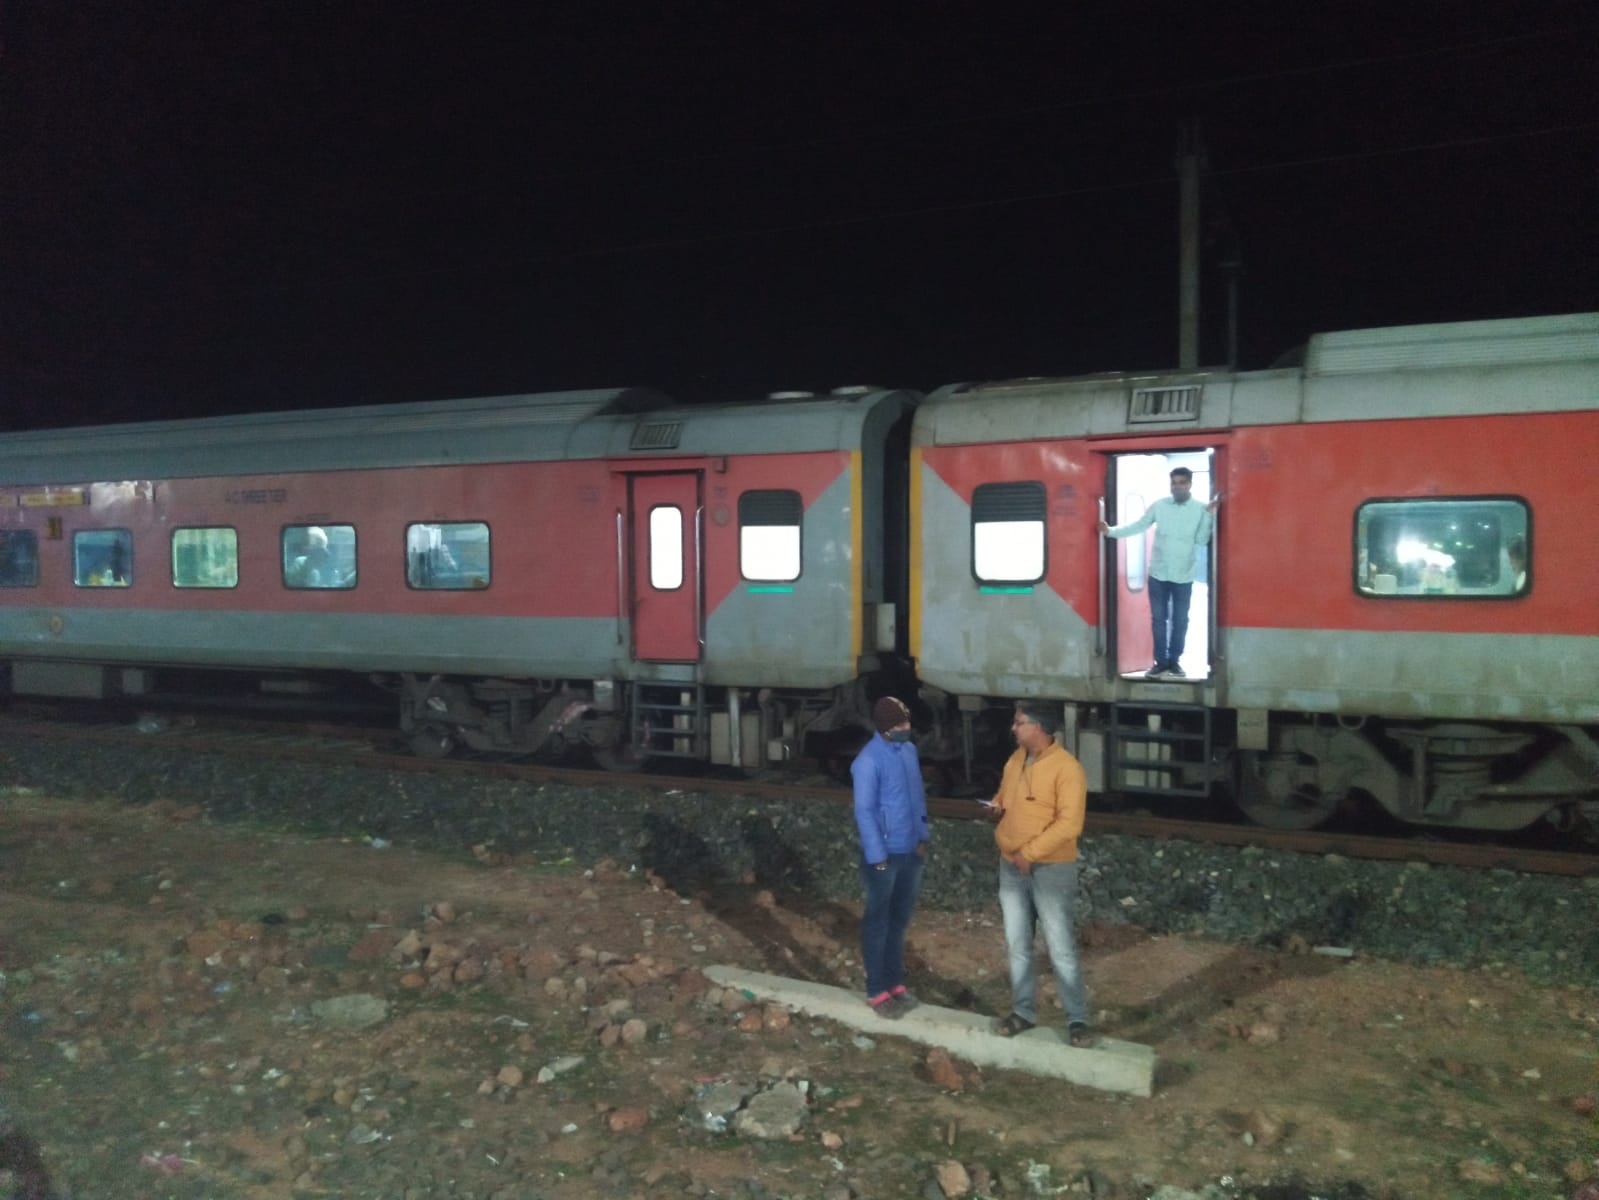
319,556
448,556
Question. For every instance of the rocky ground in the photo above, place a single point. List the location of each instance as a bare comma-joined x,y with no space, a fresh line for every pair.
221,977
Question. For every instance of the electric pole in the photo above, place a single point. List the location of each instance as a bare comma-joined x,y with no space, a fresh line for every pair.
1190,161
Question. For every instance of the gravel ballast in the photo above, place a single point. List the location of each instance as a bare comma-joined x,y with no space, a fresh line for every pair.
1546,926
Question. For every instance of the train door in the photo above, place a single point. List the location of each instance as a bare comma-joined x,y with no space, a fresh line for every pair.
667,588
1135,481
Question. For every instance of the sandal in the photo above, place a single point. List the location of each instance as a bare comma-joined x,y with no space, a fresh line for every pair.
1013,1025
1080,1035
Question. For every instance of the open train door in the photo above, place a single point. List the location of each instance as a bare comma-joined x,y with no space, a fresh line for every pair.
1134,481
667,577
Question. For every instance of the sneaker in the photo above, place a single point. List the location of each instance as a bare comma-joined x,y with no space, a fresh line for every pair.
1158,671
1175,671
906,998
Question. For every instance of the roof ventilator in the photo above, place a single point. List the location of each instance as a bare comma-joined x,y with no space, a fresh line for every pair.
1165,404
656,435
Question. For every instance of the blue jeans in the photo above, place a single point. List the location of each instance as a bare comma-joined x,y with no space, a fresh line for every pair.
1047,895
1169,601
890,900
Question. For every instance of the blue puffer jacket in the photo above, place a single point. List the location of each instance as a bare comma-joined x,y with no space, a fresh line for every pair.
890,804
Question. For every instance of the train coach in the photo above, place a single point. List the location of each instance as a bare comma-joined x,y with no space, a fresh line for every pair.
1397,602
525,573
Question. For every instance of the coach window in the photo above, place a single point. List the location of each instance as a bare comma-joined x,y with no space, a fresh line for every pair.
319,556
1008,532
102,558
19,558
769,535
666,548
451,556
205,558
1468,547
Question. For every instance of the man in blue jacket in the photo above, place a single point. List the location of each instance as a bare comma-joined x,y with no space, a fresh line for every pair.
891,813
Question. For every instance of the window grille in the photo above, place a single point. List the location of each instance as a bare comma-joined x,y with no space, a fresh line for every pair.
656,435
775,507
1165,404
1008,502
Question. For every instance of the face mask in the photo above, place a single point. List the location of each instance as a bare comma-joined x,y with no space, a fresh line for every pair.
898,735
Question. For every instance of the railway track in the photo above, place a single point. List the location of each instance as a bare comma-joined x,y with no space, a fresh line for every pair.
345,745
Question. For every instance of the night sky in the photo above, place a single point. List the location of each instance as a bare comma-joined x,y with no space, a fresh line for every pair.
224,207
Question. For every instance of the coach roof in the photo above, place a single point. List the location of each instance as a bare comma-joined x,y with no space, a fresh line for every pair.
428,433
541,427
1469,368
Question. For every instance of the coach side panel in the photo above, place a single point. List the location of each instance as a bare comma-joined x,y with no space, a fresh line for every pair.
546,605
772,619
1314,622
1298,632
1020,639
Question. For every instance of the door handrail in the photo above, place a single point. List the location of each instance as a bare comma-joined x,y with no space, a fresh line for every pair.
1099,631
1214,650
699,575
621,583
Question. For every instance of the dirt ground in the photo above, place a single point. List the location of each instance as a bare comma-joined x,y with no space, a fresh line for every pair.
167,1034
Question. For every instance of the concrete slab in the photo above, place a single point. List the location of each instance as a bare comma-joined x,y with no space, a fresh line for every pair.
1110,1066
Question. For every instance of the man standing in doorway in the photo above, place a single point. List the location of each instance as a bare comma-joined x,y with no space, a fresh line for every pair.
1181,527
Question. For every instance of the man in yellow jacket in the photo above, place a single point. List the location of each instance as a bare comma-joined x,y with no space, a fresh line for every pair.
1041,801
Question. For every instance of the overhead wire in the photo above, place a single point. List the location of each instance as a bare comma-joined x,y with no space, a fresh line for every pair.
633,167
1161,180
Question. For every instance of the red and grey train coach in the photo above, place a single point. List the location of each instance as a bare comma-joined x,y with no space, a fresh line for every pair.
1398,600
526,572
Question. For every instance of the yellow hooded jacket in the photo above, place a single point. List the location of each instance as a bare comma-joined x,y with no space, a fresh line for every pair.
1043,804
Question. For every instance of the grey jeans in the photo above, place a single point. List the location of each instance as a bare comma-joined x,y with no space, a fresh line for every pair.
1047,895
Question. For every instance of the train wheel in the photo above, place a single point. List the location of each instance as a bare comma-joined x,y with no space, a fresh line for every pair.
609,739
1280,791
432,741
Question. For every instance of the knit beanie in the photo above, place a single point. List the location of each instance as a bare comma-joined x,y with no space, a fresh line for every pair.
889,712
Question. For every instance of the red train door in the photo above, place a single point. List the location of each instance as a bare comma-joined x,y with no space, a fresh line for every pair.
665,540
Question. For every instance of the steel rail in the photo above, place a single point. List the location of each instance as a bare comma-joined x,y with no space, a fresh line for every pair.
369,748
